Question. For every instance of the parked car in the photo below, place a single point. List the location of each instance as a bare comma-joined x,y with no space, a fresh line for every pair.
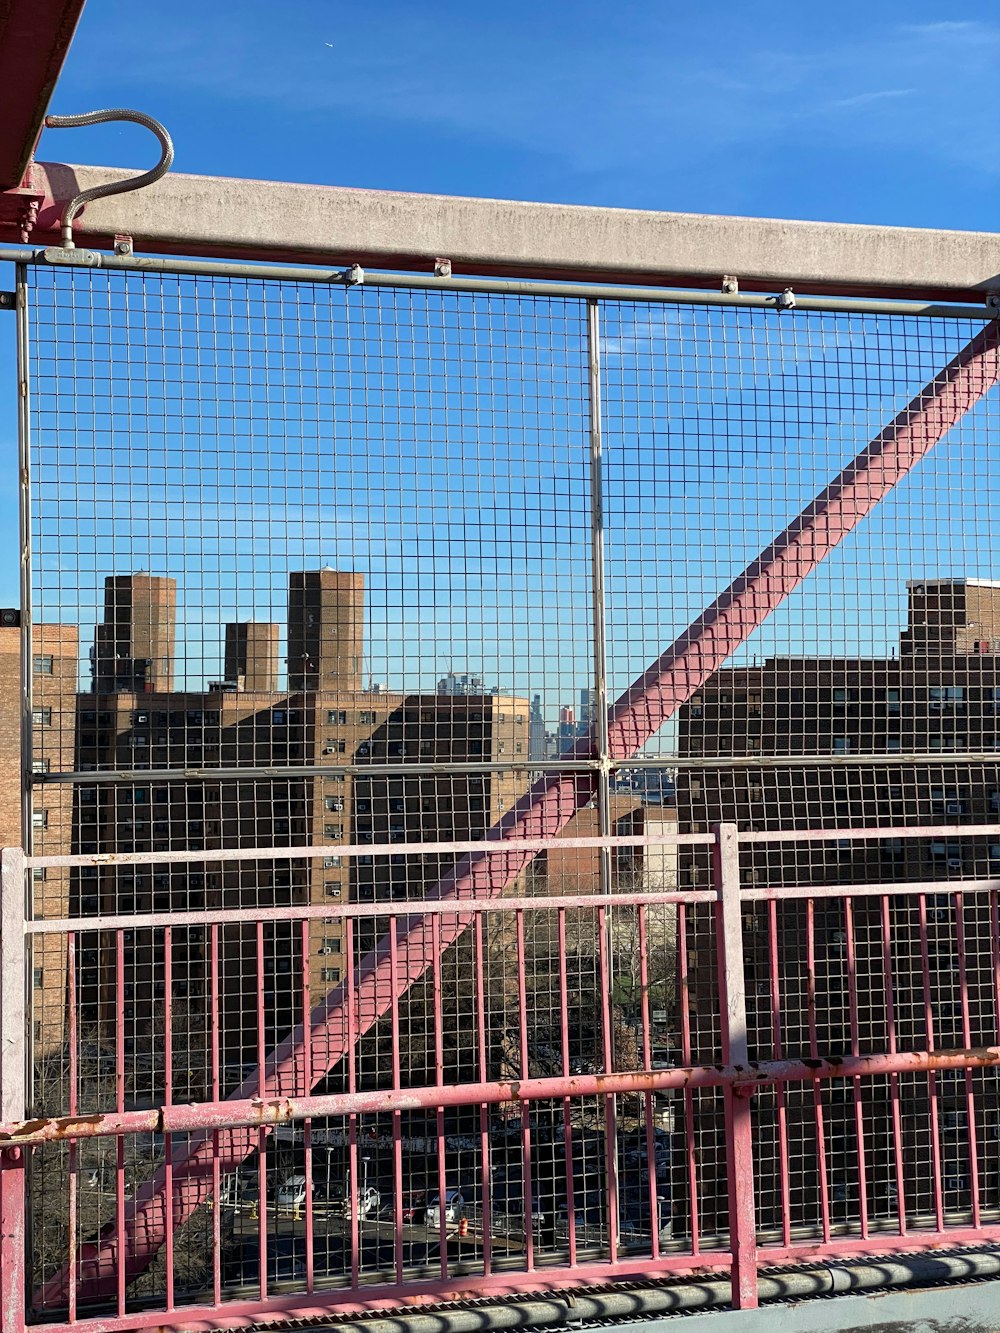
292,1192
454,1208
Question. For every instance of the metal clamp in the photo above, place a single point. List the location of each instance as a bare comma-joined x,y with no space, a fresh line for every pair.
786,300
116,187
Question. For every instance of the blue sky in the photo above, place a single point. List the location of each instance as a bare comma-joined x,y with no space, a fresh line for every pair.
869,113
863,112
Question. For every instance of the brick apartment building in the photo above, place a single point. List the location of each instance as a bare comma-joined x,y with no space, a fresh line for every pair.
54,685
134,720
939,696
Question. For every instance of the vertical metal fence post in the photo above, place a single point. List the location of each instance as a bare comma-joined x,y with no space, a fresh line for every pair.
733,1018
599,723
13,1068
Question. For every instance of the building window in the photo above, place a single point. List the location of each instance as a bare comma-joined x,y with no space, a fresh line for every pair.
330,944
334,802
892,849
696,705
43,664
841,698
41,765
994,855
331,862
39,819
893,701
332,889
329,830
38,873
38,978
41,717
336,717
366,719
279,717
893,745
943,742
336,779
334,745
329,974
946,698
841,745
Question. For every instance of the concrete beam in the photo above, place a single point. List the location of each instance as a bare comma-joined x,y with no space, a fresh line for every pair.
222,217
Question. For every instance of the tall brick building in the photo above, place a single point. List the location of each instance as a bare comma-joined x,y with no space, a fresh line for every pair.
54,684
940,696
132,720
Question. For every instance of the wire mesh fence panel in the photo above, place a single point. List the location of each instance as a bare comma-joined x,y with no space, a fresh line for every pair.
395,653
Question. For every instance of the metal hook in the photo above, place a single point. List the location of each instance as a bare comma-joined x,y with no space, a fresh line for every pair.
119,187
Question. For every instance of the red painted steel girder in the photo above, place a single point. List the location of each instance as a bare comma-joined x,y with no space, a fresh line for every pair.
35,37
306,1058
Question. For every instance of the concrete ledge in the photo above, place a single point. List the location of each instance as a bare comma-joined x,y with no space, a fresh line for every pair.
230,218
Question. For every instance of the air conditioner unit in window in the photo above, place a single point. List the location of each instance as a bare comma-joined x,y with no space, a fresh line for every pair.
954,863
953,808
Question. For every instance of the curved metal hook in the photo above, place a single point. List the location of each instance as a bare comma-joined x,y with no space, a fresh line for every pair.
119,187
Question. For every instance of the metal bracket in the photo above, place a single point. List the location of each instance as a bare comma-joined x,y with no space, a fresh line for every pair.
730,284
124,245
786,301
442,268
354,276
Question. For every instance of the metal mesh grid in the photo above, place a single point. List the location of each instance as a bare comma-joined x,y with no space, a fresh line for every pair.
335,553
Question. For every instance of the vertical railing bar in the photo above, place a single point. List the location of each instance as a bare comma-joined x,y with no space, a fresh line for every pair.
352,1120
779,1088
607,1059
925,968
890,1020
735,1051
306,1007
13,1087
439,1082
397,1116
567,1106
522,1033
215,1019
859,1127
119,1009
261,1135
74,1107
970,1102
824,1197
647,1063
684,994
486,1228
168,1094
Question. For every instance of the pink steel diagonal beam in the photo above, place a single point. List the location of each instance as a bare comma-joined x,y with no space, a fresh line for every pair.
306,1058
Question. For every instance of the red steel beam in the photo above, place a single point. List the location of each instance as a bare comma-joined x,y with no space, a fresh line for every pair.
305,1058
35,37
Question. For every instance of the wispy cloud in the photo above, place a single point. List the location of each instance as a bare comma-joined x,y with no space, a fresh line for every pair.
865,99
